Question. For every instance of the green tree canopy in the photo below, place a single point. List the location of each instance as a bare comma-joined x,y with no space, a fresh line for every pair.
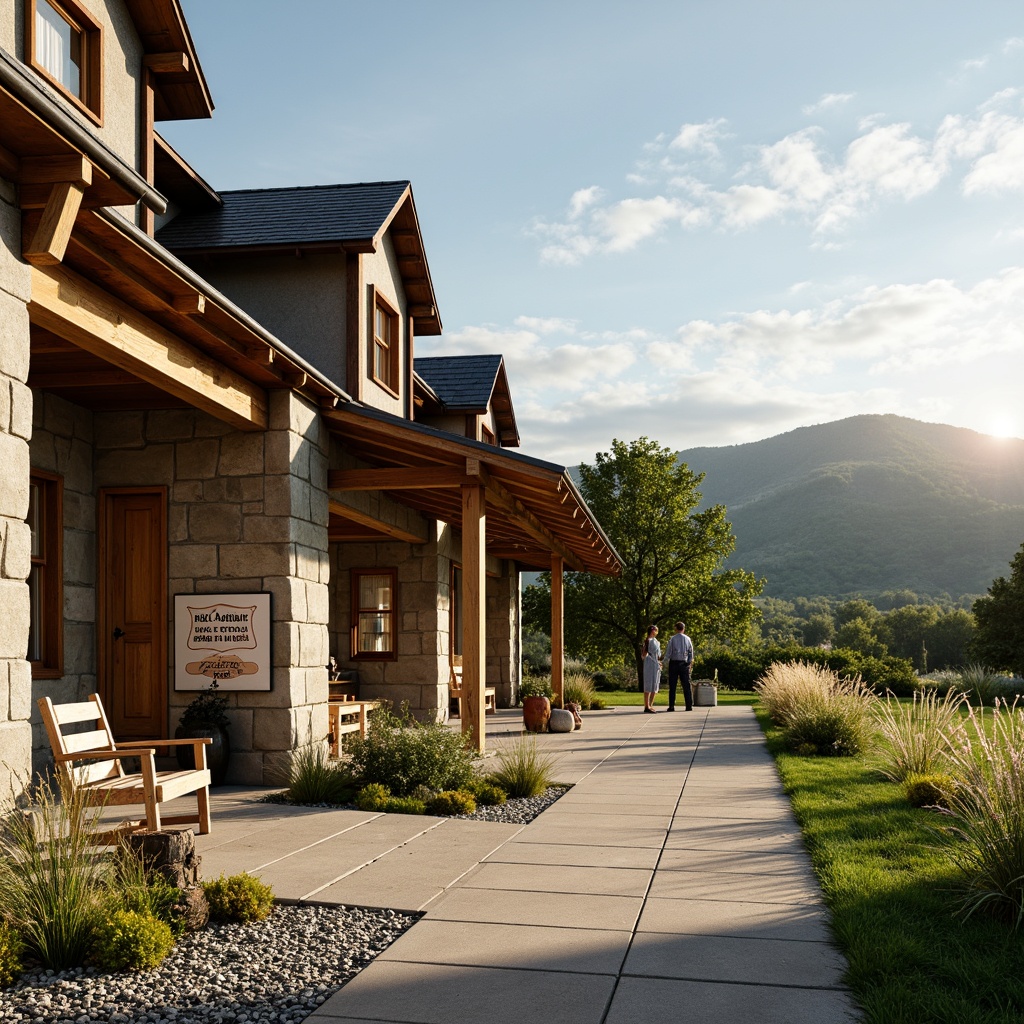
671,555
999,621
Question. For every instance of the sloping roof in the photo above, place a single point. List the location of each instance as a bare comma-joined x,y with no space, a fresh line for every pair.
460,382
269,217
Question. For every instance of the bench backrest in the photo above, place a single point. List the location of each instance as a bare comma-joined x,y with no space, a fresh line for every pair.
56,717
455,683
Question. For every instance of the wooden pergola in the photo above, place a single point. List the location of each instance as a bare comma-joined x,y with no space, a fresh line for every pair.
505,504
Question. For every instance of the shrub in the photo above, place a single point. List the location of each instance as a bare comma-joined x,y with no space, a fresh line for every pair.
373,797
239,898
11,949
51,880
986,807
980,685
928,790
453,801
535,686
486,793
401,754
131,887
130,941
404,805
313,778
834,727
523,771
578,687
913,738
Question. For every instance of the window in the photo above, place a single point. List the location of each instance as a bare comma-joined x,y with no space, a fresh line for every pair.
486,435
455,615
46,576
64,44
374,614
385,345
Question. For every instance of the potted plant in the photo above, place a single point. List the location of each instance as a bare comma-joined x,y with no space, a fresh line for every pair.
207,715
705,692
536,694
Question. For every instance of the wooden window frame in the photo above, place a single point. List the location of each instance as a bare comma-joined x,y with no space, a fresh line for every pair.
455,612
487,435
90,99
356,576
46,579
391,347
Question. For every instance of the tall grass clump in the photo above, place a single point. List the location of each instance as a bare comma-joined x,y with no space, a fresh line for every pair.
403,754
313,778
50,875
578,688
981,685
914,738
986,807
820,713
523,770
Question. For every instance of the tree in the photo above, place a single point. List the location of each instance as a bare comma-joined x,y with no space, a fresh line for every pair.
999,621
858,635
671,557
949,639
908,627
819,629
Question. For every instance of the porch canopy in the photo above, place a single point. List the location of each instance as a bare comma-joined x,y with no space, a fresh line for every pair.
505,504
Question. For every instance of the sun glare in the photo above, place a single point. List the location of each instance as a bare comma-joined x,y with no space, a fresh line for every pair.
1003,427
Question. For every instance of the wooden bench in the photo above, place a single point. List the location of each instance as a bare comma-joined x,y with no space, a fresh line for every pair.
101,776
347,716
455,691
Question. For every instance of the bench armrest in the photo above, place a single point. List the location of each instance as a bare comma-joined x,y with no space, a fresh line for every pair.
103,755
190,741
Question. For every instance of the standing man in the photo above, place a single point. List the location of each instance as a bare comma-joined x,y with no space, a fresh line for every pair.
680,660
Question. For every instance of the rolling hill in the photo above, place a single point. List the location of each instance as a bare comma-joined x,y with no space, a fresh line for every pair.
868,504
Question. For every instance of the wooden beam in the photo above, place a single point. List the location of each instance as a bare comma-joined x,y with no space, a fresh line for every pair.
422,312
394,479
262,354
379,525
558,629
80,378
52,170
96,249
166,63
50,241
474,617
76,309
295,379
189,303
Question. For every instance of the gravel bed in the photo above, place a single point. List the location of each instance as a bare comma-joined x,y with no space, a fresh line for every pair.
278,970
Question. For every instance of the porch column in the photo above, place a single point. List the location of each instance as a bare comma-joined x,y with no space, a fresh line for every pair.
557,629
474,592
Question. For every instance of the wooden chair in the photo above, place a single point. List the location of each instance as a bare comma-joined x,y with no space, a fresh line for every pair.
102,776
347,716
455,688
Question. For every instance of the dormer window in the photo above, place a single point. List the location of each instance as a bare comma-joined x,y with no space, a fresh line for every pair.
64,45
385,354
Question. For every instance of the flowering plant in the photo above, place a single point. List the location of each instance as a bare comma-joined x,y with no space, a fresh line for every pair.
208,708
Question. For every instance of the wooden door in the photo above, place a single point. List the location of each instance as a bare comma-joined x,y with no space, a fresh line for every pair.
132,600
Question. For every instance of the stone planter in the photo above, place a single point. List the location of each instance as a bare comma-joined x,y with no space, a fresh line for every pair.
705,693
536,713
218,753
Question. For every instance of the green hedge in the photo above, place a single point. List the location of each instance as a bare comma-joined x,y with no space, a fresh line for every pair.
739,670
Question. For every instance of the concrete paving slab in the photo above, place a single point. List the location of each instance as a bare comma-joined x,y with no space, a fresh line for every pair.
599,880
777,888
708,861
667,1002
599,820
568,857
746,961
551,909
767,809
443,994
750,840
527,947
741,920
568,835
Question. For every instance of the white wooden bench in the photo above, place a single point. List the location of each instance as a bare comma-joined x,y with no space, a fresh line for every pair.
455,691
347,716
101,777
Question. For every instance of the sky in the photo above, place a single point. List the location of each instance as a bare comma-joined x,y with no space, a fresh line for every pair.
705,222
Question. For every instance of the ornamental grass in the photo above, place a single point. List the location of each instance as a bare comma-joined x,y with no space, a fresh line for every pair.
913,738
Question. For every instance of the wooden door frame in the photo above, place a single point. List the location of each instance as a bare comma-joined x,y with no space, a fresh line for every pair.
103,626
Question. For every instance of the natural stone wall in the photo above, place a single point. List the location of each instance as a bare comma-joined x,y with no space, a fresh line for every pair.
15,546
62,443
503,635
247,512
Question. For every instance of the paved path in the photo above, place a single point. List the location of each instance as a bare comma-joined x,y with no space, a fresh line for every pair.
670,883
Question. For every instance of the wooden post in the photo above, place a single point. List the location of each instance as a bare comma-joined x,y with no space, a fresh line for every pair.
474,583
557,629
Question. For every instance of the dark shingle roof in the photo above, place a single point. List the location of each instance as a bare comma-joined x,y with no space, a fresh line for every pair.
460,382
287,216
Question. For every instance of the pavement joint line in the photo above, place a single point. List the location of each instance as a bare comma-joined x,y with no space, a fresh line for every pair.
484,967
302,849
373,860
726,981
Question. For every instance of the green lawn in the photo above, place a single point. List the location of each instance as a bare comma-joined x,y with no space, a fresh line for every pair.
892,893
633,698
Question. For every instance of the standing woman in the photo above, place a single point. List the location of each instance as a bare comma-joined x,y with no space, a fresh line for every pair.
652,669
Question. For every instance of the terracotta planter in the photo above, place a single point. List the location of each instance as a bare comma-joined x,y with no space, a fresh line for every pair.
218,753
536,713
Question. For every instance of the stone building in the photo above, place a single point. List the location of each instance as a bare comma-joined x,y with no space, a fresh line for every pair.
207,398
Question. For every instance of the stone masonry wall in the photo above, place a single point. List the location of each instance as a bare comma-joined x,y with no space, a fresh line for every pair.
247,512
15,540
62,443
503,635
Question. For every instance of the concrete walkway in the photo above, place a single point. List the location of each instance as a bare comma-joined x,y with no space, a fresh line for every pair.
670,883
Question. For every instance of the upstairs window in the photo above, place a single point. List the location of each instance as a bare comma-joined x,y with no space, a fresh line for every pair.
385,345
46,577
64,45
486,435
374,614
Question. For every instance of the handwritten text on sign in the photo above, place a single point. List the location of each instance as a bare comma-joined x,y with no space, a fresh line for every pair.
222,627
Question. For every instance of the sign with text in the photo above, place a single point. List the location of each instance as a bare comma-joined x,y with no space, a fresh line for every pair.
223,638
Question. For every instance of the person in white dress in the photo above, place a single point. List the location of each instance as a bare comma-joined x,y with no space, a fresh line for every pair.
652,669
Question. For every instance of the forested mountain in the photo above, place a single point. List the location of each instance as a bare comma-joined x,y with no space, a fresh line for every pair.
869,504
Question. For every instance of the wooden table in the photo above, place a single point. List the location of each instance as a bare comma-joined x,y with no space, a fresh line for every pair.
347,716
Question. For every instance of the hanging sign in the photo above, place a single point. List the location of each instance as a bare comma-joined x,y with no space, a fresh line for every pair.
223,638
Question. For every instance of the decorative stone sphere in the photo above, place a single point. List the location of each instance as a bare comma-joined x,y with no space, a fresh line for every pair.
561,721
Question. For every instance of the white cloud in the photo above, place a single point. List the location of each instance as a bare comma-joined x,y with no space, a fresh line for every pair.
828,101
701,139
583,198
1013,44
